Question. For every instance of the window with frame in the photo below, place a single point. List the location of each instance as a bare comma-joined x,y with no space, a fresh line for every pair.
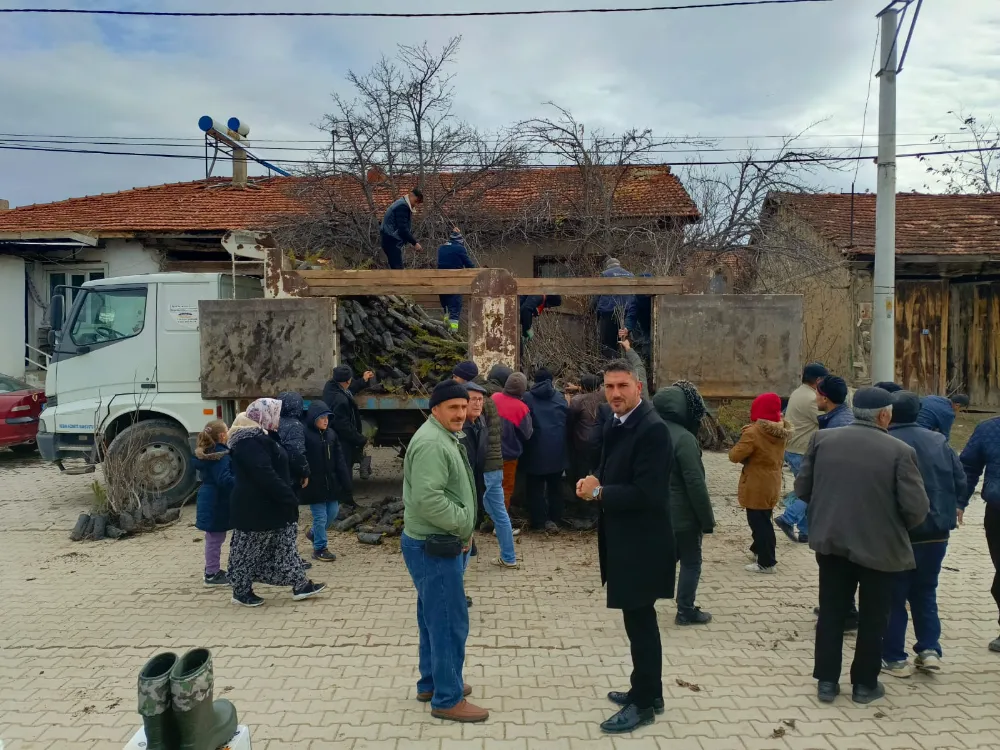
109,315
72,277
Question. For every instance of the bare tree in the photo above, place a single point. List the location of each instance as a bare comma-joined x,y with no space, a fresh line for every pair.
978,170
730,199
397,130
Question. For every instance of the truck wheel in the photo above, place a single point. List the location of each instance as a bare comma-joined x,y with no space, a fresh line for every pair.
159,457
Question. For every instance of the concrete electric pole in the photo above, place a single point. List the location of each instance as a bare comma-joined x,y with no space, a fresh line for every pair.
884,283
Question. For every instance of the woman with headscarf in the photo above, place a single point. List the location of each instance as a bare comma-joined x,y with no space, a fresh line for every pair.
264,510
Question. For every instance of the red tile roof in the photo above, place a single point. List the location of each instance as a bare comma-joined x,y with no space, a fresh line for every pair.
214,205
925,224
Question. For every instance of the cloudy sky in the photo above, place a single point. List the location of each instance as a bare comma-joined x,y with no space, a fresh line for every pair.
736,73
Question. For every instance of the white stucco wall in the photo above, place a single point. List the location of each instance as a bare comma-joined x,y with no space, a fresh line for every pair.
116,258
12,316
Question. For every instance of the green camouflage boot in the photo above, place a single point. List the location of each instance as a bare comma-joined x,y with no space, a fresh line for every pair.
154,703
202,723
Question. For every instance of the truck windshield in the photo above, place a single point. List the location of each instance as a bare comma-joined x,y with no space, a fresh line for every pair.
108,315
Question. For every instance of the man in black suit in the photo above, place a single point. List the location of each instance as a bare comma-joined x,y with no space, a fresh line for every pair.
635,540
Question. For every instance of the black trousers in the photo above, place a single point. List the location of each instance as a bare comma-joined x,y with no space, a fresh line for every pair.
687,545
540,486
607,330
647,655
393,250
991,524
764,542
839,578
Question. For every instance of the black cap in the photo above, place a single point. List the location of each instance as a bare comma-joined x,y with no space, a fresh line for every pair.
905,407
888,385
814,370
834,388
342,373
542,374
446,390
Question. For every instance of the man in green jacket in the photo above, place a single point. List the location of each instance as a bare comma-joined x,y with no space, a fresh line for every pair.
439,513
691,516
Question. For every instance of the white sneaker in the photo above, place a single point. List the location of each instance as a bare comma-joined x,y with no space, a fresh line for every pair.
758,568
928,661
897,668
514,532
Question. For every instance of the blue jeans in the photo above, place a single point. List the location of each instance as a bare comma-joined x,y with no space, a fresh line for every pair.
919,587
323,515
795,509
443,620
496,509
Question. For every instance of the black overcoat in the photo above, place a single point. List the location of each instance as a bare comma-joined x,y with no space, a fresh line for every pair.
635,541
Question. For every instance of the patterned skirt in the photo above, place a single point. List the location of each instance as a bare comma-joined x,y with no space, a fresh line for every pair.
270,557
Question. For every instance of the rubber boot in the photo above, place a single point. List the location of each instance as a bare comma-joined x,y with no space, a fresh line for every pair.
203,724
155,704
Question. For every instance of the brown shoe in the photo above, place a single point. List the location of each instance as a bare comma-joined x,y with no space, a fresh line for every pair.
464,712
426,697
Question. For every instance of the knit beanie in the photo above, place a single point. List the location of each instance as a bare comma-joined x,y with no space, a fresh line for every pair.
905,407
766,406
499,374
342,373
834,388
516,385
611,263
456,236
447,390
466,370
589,382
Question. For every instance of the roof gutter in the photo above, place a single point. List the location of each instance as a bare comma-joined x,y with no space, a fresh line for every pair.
78,237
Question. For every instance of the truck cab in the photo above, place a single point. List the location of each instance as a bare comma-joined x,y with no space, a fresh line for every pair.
124,376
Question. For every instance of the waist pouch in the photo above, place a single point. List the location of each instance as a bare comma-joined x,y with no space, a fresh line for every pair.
443,545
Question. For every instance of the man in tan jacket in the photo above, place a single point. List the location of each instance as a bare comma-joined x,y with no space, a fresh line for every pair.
802,414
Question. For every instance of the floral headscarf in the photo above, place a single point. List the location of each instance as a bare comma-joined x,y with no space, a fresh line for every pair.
696,408
266,412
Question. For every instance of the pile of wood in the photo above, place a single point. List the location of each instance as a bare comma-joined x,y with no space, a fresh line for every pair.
97,526
371,523
407,349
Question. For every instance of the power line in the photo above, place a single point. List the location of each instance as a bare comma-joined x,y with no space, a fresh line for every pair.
326,141
461,152
790,159
366,14
864,117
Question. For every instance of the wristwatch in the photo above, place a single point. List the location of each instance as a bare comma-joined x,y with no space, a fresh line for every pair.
597,492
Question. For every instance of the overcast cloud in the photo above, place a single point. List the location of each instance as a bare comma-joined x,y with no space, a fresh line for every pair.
729,72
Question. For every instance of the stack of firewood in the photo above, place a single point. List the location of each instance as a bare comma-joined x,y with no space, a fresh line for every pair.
407,349
372,522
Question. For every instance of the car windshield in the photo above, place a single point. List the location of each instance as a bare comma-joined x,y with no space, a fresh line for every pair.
108,315
12,385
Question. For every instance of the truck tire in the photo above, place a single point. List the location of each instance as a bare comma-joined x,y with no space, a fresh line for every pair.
161,460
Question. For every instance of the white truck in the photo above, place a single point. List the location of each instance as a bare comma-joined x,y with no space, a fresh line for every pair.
125,371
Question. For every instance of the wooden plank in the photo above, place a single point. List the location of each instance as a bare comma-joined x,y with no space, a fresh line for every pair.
428,281
601,285
255,268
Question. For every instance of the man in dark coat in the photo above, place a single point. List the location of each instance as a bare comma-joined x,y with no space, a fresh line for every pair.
396,229
545,455
345,417
635,539
944,482
453,255
864,492
581,420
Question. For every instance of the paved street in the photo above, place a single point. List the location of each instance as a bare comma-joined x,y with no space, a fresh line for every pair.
79,620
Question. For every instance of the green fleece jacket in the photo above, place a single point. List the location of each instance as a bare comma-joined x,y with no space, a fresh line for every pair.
690,505
439,490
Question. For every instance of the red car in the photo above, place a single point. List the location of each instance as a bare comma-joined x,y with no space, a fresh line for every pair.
20,405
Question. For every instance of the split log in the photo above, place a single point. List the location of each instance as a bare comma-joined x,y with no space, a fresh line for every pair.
100,524
370,538
81,527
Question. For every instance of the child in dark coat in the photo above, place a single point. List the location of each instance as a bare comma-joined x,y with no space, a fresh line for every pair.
212,462
329,477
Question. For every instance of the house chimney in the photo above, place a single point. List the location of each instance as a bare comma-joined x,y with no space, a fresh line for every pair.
4,204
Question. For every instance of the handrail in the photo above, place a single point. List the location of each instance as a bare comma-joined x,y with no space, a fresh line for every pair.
39,365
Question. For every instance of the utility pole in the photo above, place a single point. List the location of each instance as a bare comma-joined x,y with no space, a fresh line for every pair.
884,283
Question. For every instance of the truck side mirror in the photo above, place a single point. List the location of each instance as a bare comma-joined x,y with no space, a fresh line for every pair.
57,312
